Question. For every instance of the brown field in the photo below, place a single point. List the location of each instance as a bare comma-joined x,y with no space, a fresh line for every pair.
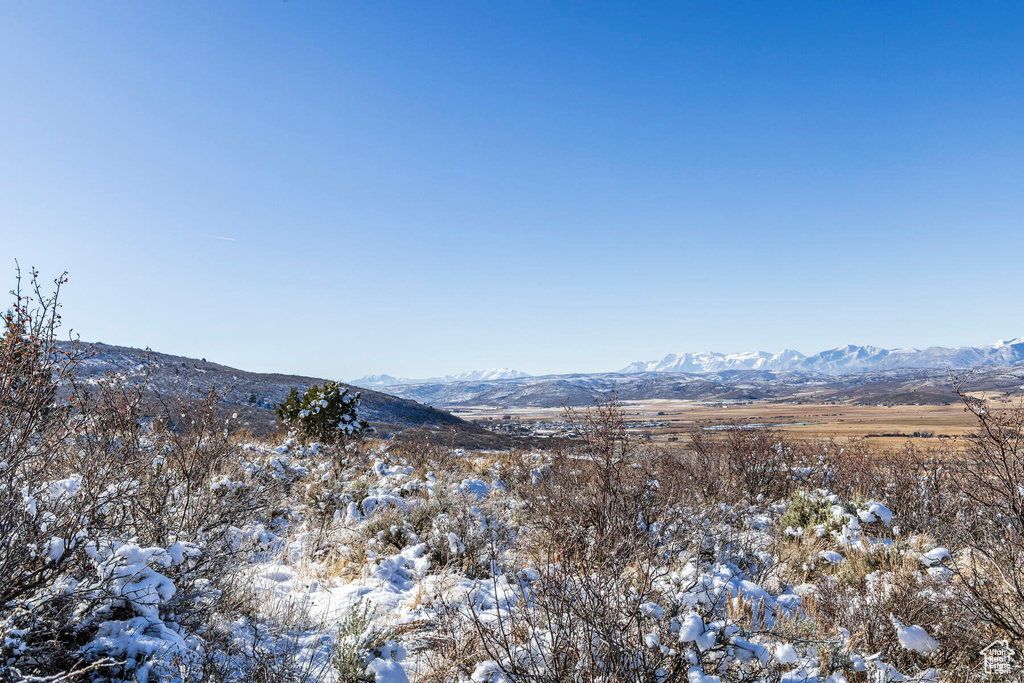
669,420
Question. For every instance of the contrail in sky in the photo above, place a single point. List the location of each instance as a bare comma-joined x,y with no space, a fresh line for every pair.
226,239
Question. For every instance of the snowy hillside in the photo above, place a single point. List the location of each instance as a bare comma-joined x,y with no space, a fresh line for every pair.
252,395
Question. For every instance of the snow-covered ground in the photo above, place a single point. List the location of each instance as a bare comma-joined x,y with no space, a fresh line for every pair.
380,562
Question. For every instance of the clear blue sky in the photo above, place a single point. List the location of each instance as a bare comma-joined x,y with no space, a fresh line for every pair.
425,188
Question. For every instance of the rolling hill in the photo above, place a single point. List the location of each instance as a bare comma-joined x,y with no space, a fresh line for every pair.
253,395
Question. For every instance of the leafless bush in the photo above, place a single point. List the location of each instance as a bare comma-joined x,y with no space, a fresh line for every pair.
263,644
599,492
756,465
990,478
92,500
199,486
915,484
603,539
447,648
863,607
35,425
466,537
580,621
427,452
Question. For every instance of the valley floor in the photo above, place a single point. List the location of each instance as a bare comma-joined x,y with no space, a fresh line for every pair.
667,420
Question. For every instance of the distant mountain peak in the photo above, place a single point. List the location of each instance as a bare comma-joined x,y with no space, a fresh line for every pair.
373,381
711,361
486,375
840,360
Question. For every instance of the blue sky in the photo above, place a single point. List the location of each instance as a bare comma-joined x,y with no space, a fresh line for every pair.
426,188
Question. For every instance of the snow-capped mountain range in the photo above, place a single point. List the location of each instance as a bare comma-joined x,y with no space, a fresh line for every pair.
838,361
472,376
842,360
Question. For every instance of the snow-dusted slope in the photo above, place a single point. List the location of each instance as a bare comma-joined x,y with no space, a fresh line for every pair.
840,360
252,395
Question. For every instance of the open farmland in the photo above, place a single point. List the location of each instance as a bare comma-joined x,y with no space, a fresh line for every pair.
665,420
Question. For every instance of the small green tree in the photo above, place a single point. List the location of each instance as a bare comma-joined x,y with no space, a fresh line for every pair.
327,414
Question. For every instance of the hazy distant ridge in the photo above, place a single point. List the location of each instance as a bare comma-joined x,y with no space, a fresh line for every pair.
471,376
838,361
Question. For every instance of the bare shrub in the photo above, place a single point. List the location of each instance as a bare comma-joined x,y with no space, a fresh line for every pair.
104,519
862,604
35,425
199,486
581,621
600,492
602,543
990,478
426,452
265,644
742,464
915,484
446,647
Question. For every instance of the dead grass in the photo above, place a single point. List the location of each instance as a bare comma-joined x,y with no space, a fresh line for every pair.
810,421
